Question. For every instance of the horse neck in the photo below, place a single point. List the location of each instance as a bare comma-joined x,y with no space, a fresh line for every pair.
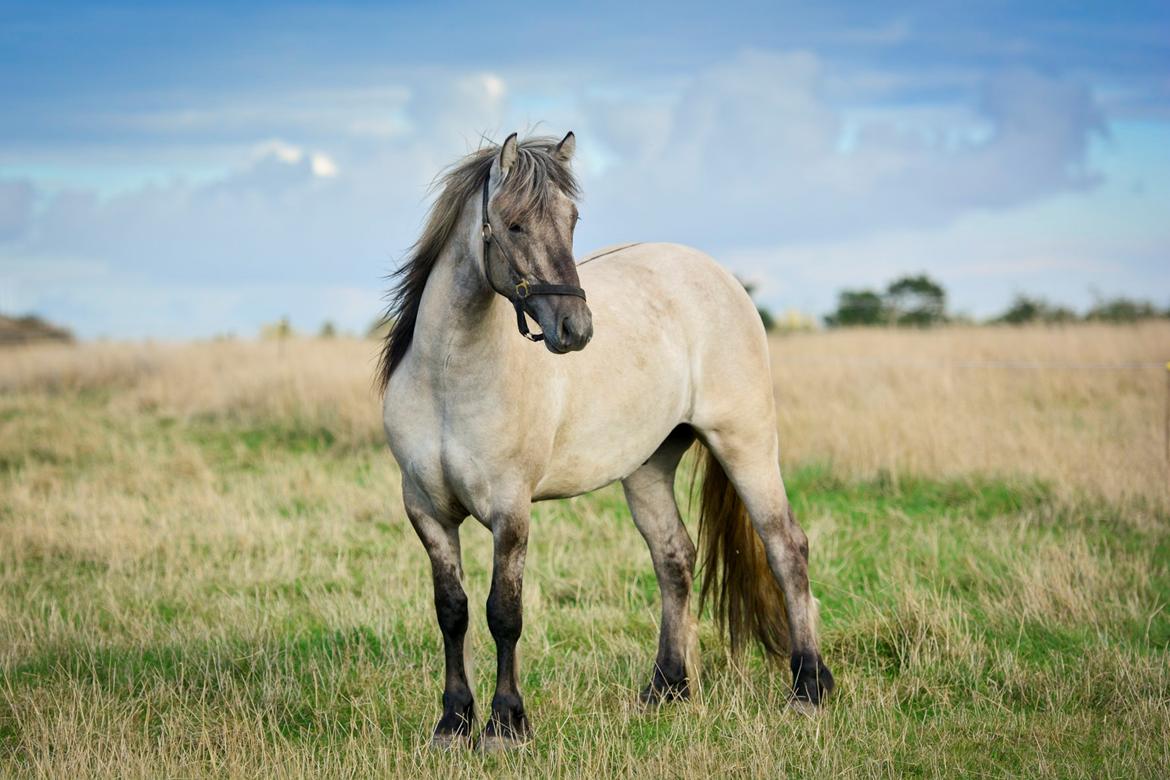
460,316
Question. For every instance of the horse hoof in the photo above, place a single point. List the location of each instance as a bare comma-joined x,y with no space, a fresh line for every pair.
653,696
812,682
508,727
804,707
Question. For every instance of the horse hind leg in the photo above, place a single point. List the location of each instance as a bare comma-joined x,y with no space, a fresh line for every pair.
650,495
749,454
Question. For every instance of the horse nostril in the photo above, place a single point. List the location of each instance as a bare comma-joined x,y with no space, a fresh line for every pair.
574,330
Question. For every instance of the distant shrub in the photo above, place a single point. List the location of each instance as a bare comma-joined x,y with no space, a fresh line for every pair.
1025,309
795,321
328,330
1123,310
29,329
279,330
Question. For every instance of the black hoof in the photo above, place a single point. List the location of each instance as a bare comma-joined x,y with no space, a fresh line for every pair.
662,690
507,728
455,726
812,682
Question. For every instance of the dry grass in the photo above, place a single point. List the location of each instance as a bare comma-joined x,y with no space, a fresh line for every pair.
204,570
1082,407
1068,405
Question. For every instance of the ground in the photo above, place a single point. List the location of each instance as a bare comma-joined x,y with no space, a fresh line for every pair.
205,570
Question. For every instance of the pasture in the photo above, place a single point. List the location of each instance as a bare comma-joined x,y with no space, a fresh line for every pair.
205,570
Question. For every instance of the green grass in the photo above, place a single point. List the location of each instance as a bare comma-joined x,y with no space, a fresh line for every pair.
219,597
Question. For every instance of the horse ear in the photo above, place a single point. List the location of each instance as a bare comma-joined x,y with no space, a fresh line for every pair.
508,154
565,149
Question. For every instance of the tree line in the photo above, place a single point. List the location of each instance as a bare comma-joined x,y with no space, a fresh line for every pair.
919,301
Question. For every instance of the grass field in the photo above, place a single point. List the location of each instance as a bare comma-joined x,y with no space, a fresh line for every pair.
205,570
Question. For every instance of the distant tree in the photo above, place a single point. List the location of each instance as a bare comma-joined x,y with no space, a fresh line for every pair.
916,300
858,307
1122,310
909,300
327,331
1025,309
766,318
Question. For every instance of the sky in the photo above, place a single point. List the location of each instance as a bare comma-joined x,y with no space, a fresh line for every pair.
176,171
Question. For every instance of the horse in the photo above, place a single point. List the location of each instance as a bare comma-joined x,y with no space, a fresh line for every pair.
484,422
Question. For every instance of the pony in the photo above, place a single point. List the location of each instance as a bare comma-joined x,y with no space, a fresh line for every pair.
643,350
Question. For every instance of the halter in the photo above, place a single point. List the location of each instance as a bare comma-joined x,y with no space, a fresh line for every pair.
522,289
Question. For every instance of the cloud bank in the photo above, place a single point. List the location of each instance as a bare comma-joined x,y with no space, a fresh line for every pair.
752,157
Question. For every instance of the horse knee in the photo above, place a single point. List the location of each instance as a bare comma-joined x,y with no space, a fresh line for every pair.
677,567
504,615
798,535
451,608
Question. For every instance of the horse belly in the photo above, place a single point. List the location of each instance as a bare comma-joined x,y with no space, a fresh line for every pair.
608,439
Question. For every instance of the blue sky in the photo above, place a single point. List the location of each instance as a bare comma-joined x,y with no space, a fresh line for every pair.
176,171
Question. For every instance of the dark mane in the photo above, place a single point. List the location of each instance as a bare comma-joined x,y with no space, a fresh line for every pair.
526,192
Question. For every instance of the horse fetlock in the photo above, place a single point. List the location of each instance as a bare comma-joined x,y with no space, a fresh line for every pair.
812,682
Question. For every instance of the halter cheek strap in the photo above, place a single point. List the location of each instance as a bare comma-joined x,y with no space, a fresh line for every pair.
522,289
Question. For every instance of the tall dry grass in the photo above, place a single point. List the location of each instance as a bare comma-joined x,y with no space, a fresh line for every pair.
1081,407
1066,405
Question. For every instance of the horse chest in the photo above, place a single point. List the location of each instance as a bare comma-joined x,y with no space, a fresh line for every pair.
448,447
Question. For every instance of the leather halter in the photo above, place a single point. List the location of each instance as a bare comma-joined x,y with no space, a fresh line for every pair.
522,289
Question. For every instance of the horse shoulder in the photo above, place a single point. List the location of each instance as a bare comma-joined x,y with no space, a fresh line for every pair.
411,420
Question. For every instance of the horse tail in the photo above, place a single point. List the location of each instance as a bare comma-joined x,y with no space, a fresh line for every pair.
737,581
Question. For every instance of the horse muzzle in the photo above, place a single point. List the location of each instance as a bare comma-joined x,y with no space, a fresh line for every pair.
566,321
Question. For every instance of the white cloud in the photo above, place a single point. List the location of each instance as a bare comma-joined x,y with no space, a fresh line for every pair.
284,152
493,86
751,152
323,165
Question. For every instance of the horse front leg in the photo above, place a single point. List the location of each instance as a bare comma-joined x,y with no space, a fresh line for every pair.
441,540
508,725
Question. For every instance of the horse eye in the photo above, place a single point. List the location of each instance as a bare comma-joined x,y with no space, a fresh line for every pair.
515,229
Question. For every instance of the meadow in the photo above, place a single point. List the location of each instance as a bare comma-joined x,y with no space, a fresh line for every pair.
205,570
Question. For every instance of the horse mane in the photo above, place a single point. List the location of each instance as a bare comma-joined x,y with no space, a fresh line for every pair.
526,192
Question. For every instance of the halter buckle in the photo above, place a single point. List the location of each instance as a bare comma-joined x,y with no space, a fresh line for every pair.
487,232
522,289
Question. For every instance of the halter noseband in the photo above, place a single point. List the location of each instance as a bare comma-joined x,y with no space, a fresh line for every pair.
522,289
